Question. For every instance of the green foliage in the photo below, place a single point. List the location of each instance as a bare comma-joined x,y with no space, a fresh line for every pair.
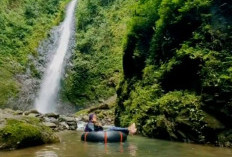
225,138
25,133
23,24
9,88
96,69
164,116
177,70
177,109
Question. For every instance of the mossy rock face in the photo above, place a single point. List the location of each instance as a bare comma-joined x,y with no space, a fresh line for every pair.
177,84
225,138
24,133
104,111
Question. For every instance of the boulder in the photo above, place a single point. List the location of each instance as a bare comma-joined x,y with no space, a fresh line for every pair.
63,118
85,118
30,111
33,115
51,120
63,126
54,115
100,107
81,125
8,110
18,112
49,124
25,133
78,119
72,127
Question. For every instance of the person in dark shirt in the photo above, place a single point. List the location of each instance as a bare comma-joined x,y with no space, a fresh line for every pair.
92,126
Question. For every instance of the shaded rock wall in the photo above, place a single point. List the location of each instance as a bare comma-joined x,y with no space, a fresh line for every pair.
177,71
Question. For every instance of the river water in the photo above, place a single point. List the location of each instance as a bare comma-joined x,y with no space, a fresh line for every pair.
136,146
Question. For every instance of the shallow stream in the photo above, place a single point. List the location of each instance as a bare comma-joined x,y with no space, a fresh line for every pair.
136,146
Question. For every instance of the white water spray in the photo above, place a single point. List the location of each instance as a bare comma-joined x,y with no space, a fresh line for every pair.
46,101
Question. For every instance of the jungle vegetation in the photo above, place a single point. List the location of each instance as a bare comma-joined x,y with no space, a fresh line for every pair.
169,61
23,24
177,67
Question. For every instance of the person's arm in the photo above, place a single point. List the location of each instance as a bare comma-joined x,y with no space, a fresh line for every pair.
89,127
98,128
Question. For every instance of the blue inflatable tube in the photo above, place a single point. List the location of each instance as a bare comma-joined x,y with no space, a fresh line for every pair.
104,136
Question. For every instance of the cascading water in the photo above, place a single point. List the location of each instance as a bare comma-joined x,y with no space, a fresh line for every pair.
46,100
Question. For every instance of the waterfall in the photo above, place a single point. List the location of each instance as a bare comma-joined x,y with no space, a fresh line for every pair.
49,88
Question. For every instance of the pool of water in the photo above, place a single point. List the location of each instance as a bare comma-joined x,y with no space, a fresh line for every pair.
136,146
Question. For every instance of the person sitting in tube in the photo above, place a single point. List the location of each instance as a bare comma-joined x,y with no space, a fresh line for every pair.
92,126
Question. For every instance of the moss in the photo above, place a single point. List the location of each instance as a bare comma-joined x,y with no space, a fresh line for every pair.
25,133
172,112
177,82
34,71
98,56
9,86
82,112
212,122
24,24
225,138
105,112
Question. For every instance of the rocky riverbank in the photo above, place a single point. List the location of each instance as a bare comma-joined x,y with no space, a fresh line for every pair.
19,129
52,120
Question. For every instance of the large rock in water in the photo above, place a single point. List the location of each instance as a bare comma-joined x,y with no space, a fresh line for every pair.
70,121
23,131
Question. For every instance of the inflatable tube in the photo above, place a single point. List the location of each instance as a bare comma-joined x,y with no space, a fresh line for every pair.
104,136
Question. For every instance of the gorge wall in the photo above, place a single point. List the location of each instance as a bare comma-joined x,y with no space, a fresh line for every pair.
177,71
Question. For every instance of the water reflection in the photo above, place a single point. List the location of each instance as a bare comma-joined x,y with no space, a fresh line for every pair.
48,151
132,149
72,146
106,149
45,153
109,149
121,147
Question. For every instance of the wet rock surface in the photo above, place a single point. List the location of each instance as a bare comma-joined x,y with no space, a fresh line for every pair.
43,127
24,129
20,129
54,121
30,80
